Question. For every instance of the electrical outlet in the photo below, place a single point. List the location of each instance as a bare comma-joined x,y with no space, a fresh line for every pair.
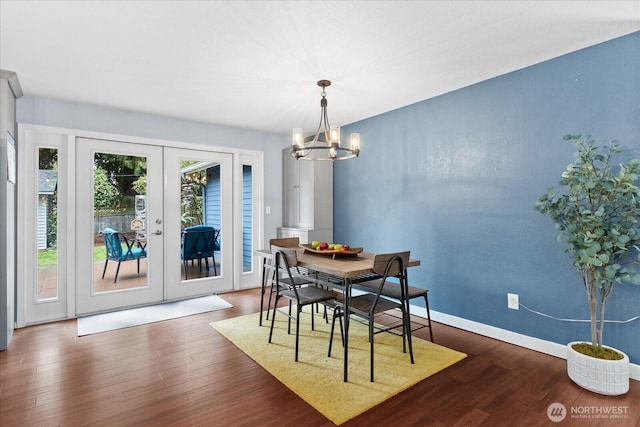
513,302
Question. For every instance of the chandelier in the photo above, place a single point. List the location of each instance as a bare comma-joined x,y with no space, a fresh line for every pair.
325,144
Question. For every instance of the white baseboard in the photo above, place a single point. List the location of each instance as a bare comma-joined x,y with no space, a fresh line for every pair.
547,347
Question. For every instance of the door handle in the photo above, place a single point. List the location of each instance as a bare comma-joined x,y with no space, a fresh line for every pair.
158,232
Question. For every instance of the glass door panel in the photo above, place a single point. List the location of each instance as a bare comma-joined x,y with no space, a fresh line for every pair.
247,218
119,196
47,224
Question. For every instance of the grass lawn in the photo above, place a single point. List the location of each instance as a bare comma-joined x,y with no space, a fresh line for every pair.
49,257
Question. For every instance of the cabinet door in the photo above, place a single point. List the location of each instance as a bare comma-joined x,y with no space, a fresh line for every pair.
306,194
291,189
302,235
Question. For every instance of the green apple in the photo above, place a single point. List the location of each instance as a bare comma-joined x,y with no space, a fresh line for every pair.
315,244
331,246
337,246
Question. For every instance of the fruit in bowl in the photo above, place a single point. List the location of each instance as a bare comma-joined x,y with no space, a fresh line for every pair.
346,247
323,246
337,246
315,244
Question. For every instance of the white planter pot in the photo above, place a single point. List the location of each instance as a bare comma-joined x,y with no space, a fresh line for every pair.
610,377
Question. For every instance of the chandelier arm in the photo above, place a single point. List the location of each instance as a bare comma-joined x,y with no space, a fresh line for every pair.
327,125
315,137
349,156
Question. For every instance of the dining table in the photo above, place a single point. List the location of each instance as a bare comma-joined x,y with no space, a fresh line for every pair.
328,270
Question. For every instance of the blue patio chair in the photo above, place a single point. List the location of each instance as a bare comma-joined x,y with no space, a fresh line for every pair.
216,247
199,242
120,248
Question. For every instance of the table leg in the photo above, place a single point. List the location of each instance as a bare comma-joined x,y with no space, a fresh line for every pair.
264,287
347,316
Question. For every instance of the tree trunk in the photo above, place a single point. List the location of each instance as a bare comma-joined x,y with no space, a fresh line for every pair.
593,308
605,291
587,276
603,297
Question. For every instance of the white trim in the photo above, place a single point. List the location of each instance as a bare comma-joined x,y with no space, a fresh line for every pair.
71,224
536,344
14,84
80,133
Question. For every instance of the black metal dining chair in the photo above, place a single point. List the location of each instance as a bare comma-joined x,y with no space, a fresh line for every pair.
297,279
394,292
286,287
371,304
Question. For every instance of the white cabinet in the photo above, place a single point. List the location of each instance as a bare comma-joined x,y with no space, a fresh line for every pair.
306,235
307,199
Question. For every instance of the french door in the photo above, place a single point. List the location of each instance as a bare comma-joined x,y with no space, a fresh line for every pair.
134,204
77,190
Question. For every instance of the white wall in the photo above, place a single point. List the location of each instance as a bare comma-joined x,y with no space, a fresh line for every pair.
7,212
69,115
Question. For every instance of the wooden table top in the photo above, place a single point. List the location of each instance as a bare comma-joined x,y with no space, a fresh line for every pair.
346,267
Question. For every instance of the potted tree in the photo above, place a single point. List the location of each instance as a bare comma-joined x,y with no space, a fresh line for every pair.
597,214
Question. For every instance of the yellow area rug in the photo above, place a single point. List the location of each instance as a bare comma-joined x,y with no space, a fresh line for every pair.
318,379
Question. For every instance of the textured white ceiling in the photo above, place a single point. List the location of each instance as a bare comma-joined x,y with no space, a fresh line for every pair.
255,64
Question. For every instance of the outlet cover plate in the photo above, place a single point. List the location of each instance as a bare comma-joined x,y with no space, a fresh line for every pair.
513,302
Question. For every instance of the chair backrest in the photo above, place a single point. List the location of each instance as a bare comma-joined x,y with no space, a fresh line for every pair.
285,242
286,258
216,240
198,240
391,264
112,243
286,262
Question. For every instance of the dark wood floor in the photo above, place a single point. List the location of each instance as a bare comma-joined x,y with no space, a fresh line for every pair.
182,372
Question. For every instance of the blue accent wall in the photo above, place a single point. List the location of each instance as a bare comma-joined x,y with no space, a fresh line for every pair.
454,179
213,208
212,198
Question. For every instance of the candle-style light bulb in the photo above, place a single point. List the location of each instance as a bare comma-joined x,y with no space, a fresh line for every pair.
355,141
334,135
297,138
